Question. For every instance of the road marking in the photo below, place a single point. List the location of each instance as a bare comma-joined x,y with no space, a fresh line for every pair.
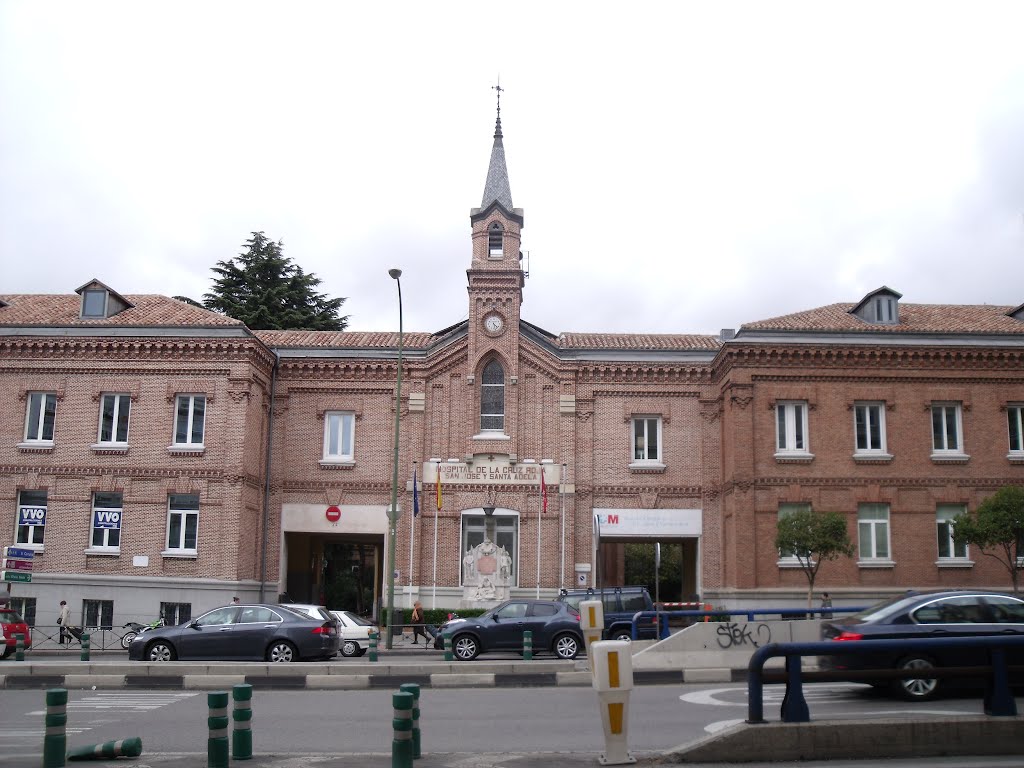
770,694
124,702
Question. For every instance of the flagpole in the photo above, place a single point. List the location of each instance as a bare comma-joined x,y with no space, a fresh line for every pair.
412,530
437,480
561,511
540,507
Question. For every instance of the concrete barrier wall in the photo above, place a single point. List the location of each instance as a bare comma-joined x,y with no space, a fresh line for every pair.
724,644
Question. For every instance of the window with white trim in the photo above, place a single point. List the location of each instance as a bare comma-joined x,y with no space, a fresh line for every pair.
949,549
114,412
189,420
789,555
873,532
492,398
98,614
175,613
107,510
32,510
1015,425
339,436
946,428
647,439
40,416
869,427
791,427
182,523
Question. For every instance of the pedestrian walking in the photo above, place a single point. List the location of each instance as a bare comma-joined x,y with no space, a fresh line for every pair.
419,629
826,602
63,619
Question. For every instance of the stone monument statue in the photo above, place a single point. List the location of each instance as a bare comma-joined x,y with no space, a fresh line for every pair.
486,575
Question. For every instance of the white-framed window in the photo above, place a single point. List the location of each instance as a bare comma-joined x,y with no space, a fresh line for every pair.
791,427
1015,425
182,524
946,428
107,510
40,416
506,534
788,556
873,532
949,549
339,436
647,439
114,412
492,398
98,614
32,508
189,419
869,427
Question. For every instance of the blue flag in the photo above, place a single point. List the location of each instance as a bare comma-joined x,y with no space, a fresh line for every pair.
415,496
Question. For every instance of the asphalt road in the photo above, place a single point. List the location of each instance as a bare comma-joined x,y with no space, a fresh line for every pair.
506,721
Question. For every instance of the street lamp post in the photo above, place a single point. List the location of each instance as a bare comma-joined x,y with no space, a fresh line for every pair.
393,512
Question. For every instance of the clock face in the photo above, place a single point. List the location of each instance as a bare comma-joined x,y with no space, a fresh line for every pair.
493,324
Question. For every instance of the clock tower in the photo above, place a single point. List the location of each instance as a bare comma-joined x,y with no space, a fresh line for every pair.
495,285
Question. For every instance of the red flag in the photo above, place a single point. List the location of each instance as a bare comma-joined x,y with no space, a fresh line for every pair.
439,485
543,489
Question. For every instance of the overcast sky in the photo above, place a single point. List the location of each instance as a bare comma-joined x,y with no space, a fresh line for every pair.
683,166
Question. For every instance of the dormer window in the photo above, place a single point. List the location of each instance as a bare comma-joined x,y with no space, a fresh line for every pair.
94,303
495,246
880,307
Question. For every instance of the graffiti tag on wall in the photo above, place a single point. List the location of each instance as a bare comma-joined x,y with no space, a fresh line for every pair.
732,635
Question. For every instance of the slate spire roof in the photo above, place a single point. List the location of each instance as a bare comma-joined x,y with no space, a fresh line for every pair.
497,188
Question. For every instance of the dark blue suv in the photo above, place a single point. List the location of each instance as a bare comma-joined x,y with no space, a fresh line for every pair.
620,605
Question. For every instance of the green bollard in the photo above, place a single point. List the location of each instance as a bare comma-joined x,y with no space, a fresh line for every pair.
374,636
85,646
414,689
55,740
19,647
448,655
217,723
121,748
527,645
241,736
401,743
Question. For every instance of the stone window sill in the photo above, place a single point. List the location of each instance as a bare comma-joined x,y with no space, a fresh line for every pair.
1015,457
794,457
876,563
491,436
183,449
109,449
951,563
950,458
651,468
180,554
104,551
872,458
36,446
333,464
791,563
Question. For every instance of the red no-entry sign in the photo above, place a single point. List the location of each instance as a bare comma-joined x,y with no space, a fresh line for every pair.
333,513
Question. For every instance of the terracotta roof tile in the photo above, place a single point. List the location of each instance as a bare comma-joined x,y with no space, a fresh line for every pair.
343,339
914,318
46,310
638,341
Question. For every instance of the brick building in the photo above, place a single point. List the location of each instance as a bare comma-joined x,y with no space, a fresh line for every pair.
156,454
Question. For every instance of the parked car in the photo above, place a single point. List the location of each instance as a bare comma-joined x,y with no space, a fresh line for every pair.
950,614
13,624
242,632
555,627
313,611
355,632
620,605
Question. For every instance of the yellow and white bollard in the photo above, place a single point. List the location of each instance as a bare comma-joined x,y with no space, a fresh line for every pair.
612,664
592,624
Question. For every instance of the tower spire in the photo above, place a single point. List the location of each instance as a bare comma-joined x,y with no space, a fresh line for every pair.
497,188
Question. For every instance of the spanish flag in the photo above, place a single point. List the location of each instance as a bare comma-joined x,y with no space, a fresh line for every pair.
439,485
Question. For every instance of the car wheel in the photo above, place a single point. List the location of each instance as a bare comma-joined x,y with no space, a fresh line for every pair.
916,688
465,647
8,650
127,638
622,635
161,651
349,648
566,646
282,651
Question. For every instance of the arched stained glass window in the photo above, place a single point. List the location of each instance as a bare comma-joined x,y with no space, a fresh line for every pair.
492,398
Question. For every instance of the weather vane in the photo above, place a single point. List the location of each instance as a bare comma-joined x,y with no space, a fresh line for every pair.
499,89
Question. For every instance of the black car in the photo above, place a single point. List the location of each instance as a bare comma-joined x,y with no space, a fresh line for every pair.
555,627
620,605
241,632
961,613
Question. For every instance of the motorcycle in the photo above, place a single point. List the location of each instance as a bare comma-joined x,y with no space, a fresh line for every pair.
135,629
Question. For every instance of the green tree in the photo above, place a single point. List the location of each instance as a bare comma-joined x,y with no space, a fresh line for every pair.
812,538
266,291
997,529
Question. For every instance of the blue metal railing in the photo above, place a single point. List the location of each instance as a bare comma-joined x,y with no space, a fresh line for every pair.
998,699
750,613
